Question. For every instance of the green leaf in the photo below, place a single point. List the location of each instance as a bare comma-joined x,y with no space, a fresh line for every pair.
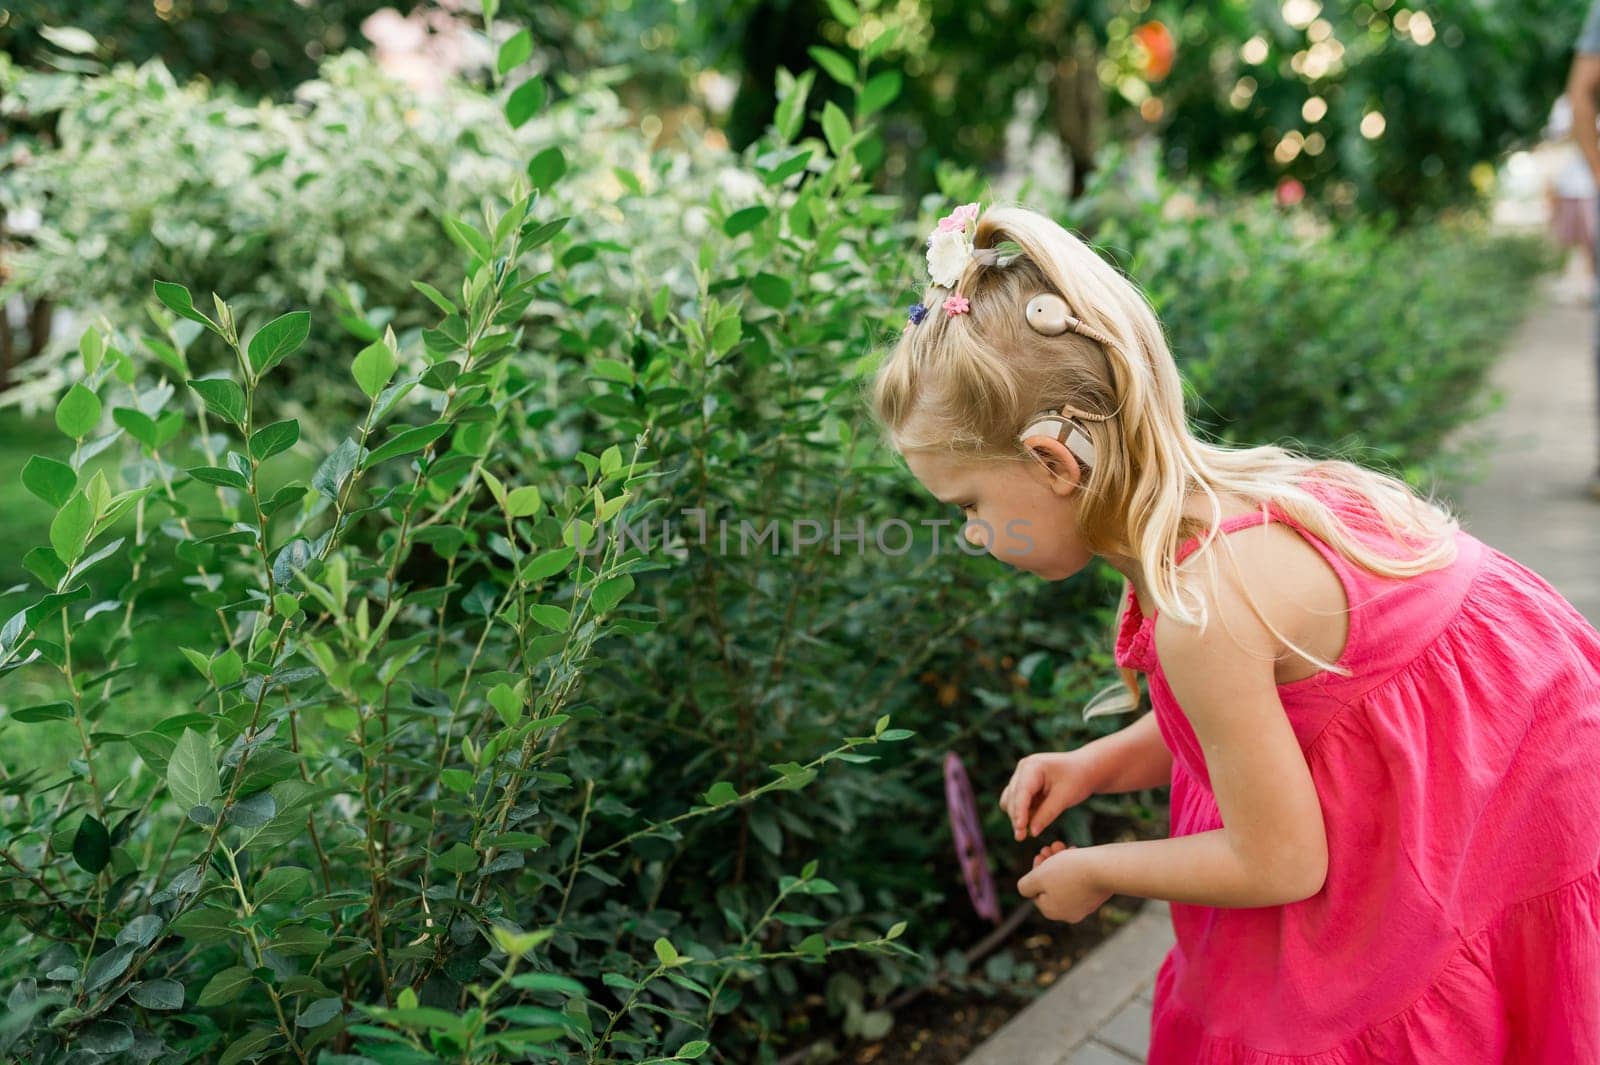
44,712
836,128
249,1045
407,441
222,397
525,101
845,12
272,439
204,925
720,793
551,617
459,859
78,412
91,845
880,91
610,592
192,771
791,107
747,219
457,780
549,982
467,236
374,368
789,167
286,883
776,292
837,66
69,529
160,994
813,945
277,340
50,480
335,469
226,668
178,299
522,502
43,563
507,704
514,52
219,475
225,986
545,170
726,334
666,952
108,966
547,563
896,930
439,299
137,424
322,1010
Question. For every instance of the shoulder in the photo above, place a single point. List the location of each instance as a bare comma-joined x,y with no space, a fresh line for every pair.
1252,581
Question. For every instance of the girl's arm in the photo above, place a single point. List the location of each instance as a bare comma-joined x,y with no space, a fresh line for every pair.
1130,759
1272,848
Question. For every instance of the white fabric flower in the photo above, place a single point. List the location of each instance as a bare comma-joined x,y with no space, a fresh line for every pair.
947,257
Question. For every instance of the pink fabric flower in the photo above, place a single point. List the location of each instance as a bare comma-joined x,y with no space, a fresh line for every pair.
958,218
956,305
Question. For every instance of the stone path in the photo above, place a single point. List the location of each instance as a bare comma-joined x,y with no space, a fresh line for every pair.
1532,503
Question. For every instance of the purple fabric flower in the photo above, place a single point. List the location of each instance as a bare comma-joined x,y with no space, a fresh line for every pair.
918,312
970,851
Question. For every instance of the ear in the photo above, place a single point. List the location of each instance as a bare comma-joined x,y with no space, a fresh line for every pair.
1056,467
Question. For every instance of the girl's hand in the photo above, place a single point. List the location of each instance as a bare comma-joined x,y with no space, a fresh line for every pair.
1062,885
1049,850
1043,785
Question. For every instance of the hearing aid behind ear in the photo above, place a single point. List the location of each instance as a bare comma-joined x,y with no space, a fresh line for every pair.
1065,430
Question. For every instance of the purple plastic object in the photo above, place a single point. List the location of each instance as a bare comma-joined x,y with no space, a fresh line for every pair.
969,839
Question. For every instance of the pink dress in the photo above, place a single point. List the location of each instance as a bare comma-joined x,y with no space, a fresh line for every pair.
1458,770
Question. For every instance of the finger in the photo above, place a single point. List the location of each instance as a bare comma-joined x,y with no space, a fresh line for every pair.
1050,808
1022,802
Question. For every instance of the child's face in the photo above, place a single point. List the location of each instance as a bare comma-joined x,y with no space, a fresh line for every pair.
1024,512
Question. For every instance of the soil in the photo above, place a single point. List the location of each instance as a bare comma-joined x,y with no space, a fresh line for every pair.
942,1026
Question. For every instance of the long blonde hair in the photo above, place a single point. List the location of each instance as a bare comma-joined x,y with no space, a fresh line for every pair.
965,386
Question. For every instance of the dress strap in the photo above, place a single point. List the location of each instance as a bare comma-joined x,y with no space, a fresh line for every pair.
1238,521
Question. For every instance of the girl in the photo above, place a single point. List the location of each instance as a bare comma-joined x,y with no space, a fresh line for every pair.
1381,735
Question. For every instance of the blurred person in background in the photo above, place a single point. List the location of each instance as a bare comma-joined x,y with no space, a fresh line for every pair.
1569,188
1583,90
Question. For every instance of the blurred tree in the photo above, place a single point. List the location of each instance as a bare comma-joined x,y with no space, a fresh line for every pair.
1375,104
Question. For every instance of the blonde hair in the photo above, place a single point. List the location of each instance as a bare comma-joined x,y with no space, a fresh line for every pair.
965,386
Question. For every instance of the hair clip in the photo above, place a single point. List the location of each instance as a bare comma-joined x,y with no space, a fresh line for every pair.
918,313
957,305
950,246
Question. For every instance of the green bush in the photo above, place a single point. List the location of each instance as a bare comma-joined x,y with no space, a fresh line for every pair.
461,769
334,201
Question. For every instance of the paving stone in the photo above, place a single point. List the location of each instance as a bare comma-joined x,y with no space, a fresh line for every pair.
1097,1053
1129,1030
1085,997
